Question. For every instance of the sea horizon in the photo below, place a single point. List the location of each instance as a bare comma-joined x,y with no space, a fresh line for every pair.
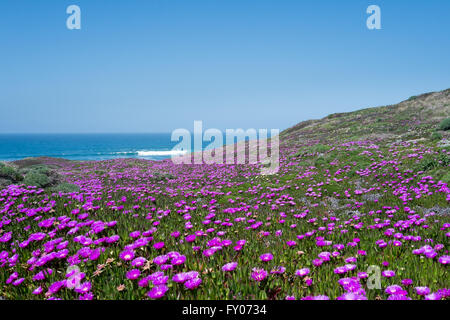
92,146
86,146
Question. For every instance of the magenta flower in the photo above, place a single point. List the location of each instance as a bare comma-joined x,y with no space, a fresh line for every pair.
179,277
317,262
158,245
422,291
362,275
229,266
159,260
139,262
84,287
133,274
193,283
178,260
407,282
444,260
259,274
144,282
266,257
126,255
158,292
351,296
37,291
302,272
160,280
395,289
433,296
388,273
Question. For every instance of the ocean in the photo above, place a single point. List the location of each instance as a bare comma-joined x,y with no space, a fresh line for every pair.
152,146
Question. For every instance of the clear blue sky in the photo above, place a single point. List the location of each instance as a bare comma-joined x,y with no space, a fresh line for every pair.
154,66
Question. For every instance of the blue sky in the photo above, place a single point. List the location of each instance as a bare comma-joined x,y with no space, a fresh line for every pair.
154,66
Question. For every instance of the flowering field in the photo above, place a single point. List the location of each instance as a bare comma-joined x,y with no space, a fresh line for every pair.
337,218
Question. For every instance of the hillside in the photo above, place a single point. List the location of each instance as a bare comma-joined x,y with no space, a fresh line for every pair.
414,118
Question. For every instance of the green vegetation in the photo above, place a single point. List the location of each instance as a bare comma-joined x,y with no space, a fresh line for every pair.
445,124
436,136
10,173
37,179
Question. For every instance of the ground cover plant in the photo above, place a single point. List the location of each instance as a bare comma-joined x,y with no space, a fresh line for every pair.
354,192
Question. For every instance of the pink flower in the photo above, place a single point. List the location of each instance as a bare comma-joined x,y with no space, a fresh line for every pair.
158,245
302,272
193,283
158,292
259,274
266,257
229,266
133,274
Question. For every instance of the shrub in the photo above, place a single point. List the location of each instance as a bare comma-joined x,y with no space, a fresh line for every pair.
445,124
10,173
37,179
40,168
436,136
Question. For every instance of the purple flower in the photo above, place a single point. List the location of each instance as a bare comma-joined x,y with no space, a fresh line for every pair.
138,262
193,283
126,255
388,273
159,260
178,260
351,296
259,274
433,296
179,277
444,260
302,272
266,257
158,292
84,287
144,282
407,282
133,274
422,291
229,266
158,245
395,289
37,291
160,280
317,262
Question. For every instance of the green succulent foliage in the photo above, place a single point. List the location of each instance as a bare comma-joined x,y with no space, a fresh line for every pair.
36,178
10,173
436,136
445,124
